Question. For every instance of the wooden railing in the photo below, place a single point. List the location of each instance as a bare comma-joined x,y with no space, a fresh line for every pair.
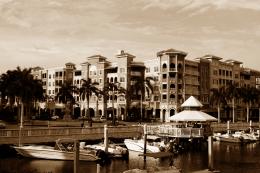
218,127
170,131
37,135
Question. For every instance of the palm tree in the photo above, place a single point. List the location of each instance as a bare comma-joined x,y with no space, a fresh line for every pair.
87,88
143,86
113,88
218,97
65,95
248,95
20,85
232,94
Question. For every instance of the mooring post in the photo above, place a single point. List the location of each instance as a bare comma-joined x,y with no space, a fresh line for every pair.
250,126
210,153
228,127
106,138
98,168
76,156
145,140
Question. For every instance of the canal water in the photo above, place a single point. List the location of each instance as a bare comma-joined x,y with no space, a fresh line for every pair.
229,158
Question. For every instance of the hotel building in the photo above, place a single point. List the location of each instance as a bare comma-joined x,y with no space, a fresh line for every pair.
175,79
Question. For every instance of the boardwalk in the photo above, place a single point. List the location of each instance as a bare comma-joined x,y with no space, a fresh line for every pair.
50,134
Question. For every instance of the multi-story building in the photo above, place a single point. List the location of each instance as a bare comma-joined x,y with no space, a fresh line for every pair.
175,79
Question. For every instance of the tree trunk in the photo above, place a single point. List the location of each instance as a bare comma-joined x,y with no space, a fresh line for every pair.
218,113
233,110
22,115
247,112
97,113
113,116
141,107
88,113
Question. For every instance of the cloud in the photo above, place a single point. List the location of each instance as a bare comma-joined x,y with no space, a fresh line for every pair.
186,5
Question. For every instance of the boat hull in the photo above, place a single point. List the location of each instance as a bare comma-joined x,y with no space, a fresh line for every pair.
45,152
138,146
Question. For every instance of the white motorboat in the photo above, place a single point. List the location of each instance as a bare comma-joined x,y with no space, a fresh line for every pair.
138,145
63,150
237,137
113,150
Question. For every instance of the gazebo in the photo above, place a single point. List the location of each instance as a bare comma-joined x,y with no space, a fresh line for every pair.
191,112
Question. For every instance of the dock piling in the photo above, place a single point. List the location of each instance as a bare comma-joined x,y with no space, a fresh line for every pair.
106,138
210,153
76,156
145,141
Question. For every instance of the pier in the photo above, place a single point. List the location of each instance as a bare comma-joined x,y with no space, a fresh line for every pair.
50,134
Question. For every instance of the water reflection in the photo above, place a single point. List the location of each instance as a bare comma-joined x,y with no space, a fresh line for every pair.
228,157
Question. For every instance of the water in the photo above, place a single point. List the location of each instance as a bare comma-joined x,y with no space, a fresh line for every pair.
229,158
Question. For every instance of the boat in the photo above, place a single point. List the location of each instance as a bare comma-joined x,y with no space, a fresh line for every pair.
153,144
237,137
114,150
63,150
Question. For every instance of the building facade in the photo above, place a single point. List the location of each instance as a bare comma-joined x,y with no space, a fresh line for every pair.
175,80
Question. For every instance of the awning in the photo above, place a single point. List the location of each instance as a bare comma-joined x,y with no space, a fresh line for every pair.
192,115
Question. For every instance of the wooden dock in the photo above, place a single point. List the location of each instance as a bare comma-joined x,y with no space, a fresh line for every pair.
50,134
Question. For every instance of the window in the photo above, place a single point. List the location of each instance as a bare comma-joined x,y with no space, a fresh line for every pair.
60,73
172,65
57,74
100,81
164,76
156,69
236,76
172,96
122,79
49,76
172,86
111,79
156,98
164,86
77,73
179,66
148,70
49,91
164,65
115,79
164,96
49,83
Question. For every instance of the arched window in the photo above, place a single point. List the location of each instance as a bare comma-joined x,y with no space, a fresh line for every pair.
179,66
164,65
172,86
111,79
115,79
172,96
172,65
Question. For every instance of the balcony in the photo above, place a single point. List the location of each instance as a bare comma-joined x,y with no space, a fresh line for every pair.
136,73
173,70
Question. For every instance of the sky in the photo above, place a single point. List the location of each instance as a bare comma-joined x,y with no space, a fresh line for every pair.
50,33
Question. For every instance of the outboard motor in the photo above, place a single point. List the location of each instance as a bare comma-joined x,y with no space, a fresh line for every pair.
104,159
